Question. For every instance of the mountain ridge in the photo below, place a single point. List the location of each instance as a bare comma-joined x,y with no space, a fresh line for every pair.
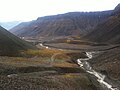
92,26
107,32
74,23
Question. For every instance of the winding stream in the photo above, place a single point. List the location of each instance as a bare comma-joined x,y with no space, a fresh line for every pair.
43,46
86,66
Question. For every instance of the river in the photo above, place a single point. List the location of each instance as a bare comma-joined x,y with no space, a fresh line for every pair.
83,62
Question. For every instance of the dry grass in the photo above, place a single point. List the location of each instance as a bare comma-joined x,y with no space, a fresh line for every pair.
41,57
41,52
65,64
24,62
62,56
72,75
37,70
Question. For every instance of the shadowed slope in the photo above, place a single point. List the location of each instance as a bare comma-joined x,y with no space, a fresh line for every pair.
107,32
10,44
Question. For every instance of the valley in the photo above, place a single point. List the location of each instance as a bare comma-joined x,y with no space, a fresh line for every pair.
52,67
71,51
44,69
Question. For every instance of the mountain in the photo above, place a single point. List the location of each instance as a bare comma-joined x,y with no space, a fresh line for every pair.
107,32
9,25
94,26
69,24
116,10
108,61
10,44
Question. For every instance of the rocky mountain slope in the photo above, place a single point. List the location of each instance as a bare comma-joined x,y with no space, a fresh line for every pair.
10,44
108,62
116,10
74,23
107,32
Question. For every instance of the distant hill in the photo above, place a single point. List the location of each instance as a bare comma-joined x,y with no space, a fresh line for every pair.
9,25
11,45
69,24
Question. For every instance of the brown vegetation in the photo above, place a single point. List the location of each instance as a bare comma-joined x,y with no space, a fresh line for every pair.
36,71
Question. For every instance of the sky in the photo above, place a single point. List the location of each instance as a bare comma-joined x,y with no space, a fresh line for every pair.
27,10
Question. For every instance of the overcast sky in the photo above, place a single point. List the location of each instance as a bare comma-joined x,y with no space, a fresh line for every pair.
26,10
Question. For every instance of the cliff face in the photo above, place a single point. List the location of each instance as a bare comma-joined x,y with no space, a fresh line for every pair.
69,24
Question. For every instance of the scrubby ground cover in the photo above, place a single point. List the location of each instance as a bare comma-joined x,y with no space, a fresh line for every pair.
44,69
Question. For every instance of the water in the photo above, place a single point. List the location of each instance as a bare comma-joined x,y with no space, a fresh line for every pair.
44,46
12,75
86,66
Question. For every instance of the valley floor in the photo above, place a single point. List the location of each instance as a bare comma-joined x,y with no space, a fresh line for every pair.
53,69
44,70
